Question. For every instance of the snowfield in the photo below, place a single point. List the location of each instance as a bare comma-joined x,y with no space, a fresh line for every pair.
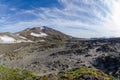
38,35
7,39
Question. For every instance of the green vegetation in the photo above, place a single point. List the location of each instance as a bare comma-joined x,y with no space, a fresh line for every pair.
81,73
16,74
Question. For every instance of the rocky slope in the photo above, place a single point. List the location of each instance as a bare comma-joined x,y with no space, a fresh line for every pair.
59,52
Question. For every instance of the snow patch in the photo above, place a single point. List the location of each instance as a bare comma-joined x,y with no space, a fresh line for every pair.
39,35
42,40
41,28
7,39
21,36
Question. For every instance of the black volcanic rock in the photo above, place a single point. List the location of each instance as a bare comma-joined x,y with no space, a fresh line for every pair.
109,64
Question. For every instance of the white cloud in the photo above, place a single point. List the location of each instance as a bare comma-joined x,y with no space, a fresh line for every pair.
99,18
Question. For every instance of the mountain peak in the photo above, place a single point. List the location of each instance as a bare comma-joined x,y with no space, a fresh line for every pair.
42,33
38,28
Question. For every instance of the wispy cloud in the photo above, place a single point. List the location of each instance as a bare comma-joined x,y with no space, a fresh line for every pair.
79,18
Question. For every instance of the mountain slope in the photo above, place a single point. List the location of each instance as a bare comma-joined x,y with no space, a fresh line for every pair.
47,51
32,35
42,33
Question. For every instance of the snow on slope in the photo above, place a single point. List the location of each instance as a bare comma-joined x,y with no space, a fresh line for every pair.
38,35
21,36
41,28
7,39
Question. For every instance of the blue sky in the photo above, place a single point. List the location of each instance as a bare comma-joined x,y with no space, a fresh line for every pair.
79,18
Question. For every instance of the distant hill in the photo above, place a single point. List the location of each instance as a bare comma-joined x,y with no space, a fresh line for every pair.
33,34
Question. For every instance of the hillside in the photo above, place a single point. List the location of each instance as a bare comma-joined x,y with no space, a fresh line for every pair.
32,35
82,73
47,51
